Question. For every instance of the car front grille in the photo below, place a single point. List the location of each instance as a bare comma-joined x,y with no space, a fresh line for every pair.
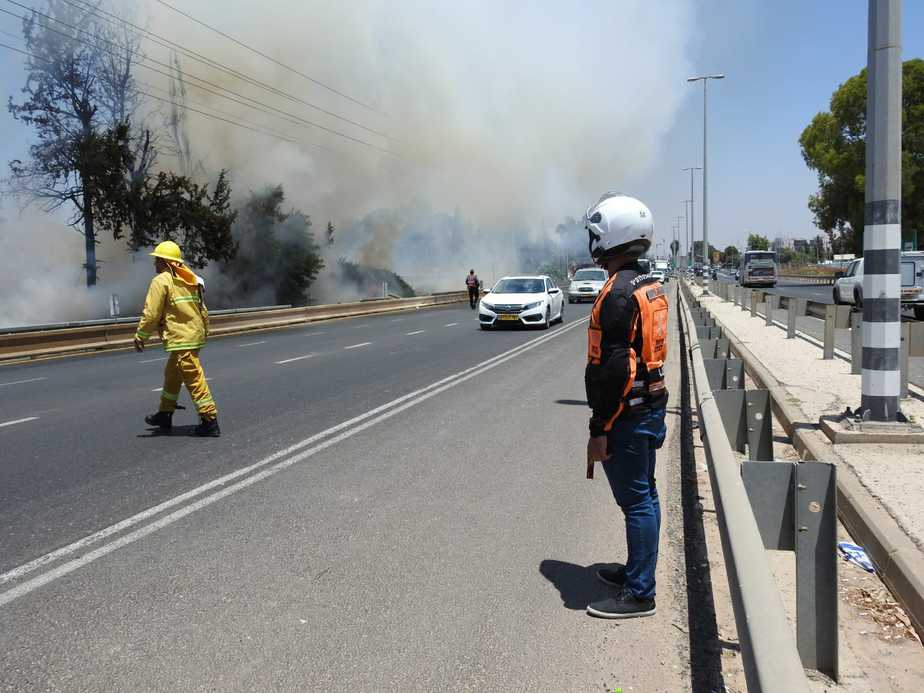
507,308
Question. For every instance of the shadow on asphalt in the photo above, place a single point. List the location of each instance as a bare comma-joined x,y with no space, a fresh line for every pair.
574,402
577,585
189,431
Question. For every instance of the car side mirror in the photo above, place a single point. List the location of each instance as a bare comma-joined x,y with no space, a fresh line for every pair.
554,291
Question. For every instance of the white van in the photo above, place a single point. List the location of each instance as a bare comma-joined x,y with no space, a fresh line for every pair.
848,290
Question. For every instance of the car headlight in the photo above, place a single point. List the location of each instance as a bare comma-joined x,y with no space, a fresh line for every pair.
485,304
530,306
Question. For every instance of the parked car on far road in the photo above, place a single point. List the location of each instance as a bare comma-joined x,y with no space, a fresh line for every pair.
848,290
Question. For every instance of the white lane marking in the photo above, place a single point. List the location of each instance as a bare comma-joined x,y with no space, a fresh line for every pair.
397,320
20,382
312,334
162,358
411,334
297,358
352,426
252,343
357,346
18,421
452,324
157,389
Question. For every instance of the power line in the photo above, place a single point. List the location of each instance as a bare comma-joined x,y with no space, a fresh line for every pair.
254,104
215,64
183,106
264,55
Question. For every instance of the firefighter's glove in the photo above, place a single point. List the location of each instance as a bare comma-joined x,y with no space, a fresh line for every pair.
596,448
139,345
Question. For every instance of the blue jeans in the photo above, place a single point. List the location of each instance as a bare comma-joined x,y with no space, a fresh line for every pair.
630,470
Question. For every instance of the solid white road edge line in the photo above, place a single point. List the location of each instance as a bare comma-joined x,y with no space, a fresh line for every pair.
18,421
20,382
297,358
353,426
252,343
162,358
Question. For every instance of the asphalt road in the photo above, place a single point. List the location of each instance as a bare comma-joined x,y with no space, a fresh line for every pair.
396,503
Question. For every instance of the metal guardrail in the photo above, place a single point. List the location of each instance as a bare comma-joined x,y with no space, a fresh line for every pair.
836,317
117,335
765,504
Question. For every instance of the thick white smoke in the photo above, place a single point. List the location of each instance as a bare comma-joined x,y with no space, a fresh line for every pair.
506,116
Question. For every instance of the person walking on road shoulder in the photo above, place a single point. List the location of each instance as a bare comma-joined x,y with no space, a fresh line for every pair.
624,380
175,308
471,281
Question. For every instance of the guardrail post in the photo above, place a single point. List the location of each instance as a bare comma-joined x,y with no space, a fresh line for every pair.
790,319
796,509
755,299
856,343
830,317
770,307
903,353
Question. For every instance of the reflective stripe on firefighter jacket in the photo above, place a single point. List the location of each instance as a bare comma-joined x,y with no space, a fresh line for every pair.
175,309
626,348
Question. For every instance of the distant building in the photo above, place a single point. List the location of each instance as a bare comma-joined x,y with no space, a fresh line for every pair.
783,244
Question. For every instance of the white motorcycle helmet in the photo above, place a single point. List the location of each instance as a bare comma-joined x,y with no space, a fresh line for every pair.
619,225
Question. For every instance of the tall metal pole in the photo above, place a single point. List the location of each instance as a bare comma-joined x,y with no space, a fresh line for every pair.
881,375
704,79
691,169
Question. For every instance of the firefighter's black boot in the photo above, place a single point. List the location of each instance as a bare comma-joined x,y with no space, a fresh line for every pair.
208,427
162,420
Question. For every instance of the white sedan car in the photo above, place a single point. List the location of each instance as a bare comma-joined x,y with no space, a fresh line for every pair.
586,284
532,300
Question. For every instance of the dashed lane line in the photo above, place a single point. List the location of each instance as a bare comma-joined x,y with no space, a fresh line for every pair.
357,346
21,382
296,358
162,358
18,421
411,334
452,324
252,343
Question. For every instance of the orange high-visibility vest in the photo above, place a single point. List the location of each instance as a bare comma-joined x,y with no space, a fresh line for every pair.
647,344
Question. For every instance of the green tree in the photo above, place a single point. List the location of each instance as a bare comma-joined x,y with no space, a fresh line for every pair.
732,255
275,249
834,145
758,242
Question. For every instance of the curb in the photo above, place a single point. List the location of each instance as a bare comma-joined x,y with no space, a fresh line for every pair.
899,561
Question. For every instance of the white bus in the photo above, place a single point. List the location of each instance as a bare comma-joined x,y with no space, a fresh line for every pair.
758,268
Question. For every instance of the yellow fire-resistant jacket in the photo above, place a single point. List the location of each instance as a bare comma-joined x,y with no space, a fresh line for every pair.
174,308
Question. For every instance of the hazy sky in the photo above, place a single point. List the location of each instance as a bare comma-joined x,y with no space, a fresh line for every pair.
534,109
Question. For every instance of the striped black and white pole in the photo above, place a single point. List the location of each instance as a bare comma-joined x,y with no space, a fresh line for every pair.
881,379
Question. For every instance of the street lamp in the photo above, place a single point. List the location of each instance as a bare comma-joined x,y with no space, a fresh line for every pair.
704,79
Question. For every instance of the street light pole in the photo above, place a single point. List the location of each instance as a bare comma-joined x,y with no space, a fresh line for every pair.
704,79
880,399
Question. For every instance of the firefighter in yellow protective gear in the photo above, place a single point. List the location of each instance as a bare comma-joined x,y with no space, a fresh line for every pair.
175,309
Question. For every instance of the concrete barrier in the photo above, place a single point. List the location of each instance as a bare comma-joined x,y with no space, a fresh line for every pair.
118,335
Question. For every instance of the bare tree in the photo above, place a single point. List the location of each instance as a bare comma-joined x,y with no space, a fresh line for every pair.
79,97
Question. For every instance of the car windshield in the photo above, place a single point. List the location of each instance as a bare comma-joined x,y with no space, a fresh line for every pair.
519,286
590,275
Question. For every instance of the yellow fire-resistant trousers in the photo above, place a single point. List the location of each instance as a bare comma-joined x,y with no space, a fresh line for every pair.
185,367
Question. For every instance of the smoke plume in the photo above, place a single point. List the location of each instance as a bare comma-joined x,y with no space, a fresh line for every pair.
503,118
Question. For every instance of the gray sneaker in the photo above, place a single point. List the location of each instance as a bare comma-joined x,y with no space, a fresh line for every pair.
623,605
